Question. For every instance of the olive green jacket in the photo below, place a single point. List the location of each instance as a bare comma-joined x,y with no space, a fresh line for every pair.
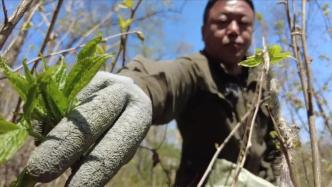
207,103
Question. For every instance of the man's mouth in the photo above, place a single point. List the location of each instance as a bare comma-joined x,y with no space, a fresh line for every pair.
234,45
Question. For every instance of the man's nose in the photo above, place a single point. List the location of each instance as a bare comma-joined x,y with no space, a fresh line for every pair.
233,28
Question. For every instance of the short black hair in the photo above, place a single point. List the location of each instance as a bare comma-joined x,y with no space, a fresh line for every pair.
210,4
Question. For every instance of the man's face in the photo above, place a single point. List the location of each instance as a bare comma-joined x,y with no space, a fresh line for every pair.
227,31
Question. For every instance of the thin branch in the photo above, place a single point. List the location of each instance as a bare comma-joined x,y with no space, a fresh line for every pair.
305,169
294,33
63,38
67,51
284,149
46,39
95,27
13,49
156,160
49,31
5,14
310,110
7,29
325,117
132,15
124,39
266,67
220,147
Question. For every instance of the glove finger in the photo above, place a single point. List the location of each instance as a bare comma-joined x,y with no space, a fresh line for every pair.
100,81
117,147
75,133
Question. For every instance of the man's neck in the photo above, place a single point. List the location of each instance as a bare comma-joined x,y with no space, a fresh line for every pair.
233,69
230,68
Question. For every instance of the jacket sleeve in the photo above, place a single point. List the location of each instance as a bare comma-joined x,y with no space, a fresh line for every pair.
168,84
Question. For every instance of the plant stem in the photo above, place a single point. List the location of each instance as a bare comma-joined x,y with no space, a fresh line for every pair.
310,110
49,31
220,148
284,149
265,70
7,29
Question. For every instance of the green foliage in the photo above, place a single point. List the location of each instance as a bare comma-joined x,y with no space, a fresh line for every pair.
275,53
12,137
326,9
124,24
274,137
128,3
259,17
17,81
6,126
49,95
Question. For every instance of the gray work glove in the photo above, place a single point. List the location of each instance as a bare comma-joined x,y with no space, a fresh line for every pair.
99,136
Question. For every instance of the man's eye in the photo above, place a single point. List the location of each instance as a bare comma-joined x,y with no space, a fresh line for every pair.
244,21
223,22
223,19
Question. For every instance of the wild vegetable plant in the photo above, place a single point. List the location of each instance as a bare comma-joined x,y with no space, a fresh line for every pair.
48,96
275,53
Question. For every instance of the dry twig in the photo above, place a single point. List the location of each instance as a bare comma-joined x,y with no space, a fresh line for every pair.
306,83
310,109
46,39
264,73
5,14
284,149
124,38
220,147
49,31
68,50
7,29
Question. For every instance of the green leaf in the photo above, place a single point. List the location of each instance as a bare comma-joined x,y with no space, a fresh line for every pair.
45,66
27,25
30,103
274,49
81,67
60,73
250,62
259,17
89,49
44,82
84,70
18,82
82,78
124,24
49,103
275,53
11,142
58,97
128,3
6,126
27,72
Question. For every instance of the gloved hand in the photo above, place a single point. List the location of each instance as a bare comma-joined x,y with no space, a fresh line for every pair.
98,136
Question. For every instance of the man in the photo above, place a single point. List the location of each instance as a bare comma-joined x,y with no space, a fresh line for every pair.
207,93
